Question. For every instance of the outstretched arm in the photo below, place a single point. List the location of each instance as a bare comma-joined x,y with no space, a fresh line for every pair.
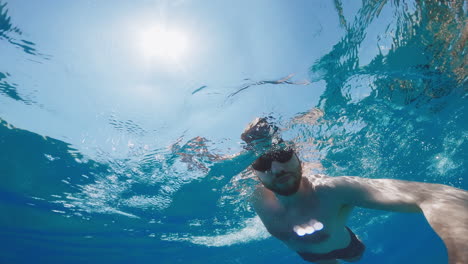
445,207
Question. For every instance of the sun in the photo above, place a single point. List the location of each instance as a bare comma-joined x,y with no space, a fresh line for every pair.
163,44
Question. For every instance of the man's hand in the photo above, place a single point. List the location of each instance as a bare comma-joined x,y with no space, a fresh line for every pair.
257,131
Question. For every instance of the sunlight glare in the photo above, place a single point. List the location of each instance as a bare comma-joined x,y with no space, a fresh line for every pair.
165,44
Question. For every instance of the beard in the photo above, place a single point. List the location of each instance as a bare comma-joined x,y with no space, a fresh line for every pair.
286,190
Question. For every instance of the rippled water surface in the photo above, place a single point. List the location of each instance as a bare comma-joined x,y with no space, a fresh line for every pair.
118,121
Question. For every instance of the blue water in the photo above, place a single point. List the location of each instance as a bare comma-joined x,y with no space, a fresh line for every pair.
94,172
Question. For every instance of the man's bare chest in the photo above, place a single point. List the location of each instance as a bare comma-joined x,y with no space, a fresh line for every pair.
311,221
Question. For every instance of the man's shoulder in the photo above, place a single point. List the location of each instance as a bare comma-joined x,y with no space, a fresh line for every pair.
260,193
321,181
328,185
263,199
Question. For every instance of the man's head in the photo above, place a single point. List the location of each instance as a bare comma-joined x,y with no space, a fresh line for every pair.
279,170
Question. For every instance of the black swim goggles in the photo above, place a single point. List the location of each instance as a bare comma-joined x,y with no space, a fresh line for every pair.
264,162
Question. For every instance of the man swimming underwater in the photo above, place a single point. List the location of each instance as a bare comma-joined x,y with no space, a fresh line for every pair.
309,212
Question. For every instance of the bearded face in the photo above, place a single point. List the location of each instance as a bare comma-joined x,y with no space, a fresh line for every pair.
283,178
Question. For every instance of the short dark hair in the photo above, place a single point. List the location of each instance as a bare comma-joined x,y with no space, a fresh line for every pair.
281,153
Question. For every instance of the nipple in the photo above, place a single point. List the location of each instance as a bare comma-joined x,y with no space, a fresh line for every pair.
308,228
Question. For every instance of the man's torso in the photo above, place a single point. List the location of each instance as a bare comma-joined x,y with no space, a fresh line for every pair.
317,205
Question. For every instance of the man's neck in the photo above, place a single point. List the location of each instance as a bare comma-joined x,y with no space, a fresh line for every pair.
296,197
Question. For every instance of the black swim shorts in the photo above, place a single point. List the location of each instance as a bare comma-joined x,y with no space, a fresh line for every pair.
354,249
